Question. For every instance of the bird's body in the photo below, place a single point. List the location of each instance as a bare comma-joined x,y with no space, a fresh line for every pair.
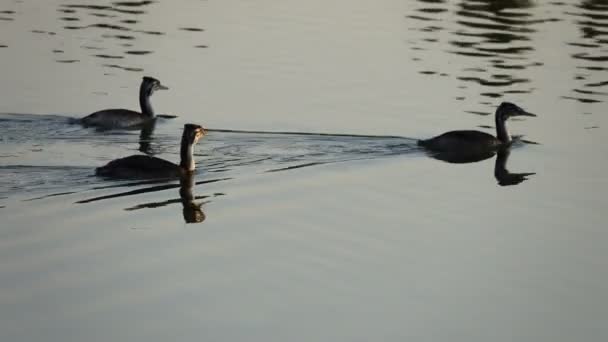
140,166
461,140
126,118
471,141
116,118
147,167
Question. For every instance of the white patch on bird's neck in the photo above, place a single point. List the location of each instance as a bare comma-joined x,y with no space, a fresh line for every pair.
189,153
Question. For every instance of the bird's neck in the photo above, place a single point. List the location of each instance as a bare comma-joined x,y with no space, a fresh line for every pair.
144,102
187,159
501,130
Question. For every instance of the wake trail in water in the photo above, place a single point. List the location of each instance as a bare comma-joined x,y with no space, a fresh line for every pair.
46,156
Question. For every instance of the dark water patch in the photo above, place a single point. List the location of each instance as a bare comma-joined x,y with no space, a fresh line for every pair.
492,95
69,19
66,10
585,45
518,91
133,3
592,68
427,72
109,26
99,25
587,57
119,36
508,50
418,17
592,127
598,84
57,51
506,21
495,27
103,8
191,29
102,15
89,47
200,46
589,92
154,33
129,21
108,56
431,29
478,113
67,61
6,19
493,36
138,52
432,10
471,54
50,33
488,83
116,66
7,12
3,46
581,99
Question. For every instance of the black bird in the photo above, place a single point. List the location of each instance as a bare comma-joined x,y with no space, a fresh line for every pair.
146,167
125,118
469,140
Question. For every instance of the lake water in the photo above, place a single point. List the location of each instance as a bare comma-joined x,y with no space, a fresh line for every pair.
354,234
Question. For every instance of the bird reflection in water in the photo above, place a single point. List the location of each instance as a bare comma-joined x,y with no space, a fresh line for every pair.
191,210
503,176
145,137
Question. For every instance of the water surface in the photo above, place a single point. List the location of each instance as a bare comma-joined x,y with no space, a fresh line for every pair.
285,233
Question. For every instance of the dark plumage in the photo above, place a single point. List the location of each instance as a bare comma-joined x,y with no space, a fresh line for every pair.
142,166
125,118
472,141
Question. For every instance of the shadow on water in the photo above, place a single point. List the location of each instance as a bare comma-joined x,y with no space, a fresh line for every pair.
503,176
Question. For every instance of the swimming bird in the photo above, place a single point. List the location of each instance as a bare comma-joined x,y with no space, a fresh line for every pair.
125,118
469,140
146,167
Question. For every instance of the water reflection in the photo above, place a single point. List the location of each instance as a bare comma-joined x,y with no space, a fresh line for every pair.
503,176
491,39
113,26
592,51
191,210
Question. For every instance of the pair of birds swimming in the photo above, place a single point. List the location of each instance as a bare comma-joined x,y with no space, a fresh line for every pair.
142,166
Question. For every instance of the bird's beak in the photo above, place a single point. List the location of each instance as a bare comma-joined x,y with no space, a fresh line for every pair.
200,132
524,113
161,87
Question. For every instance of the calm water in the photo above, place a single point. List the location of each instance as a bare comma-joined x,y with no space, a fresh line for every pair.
350,235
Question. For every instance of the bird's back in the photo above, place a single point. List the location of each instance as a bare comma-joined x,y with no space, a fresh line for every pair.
139,166
115,118
460,140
